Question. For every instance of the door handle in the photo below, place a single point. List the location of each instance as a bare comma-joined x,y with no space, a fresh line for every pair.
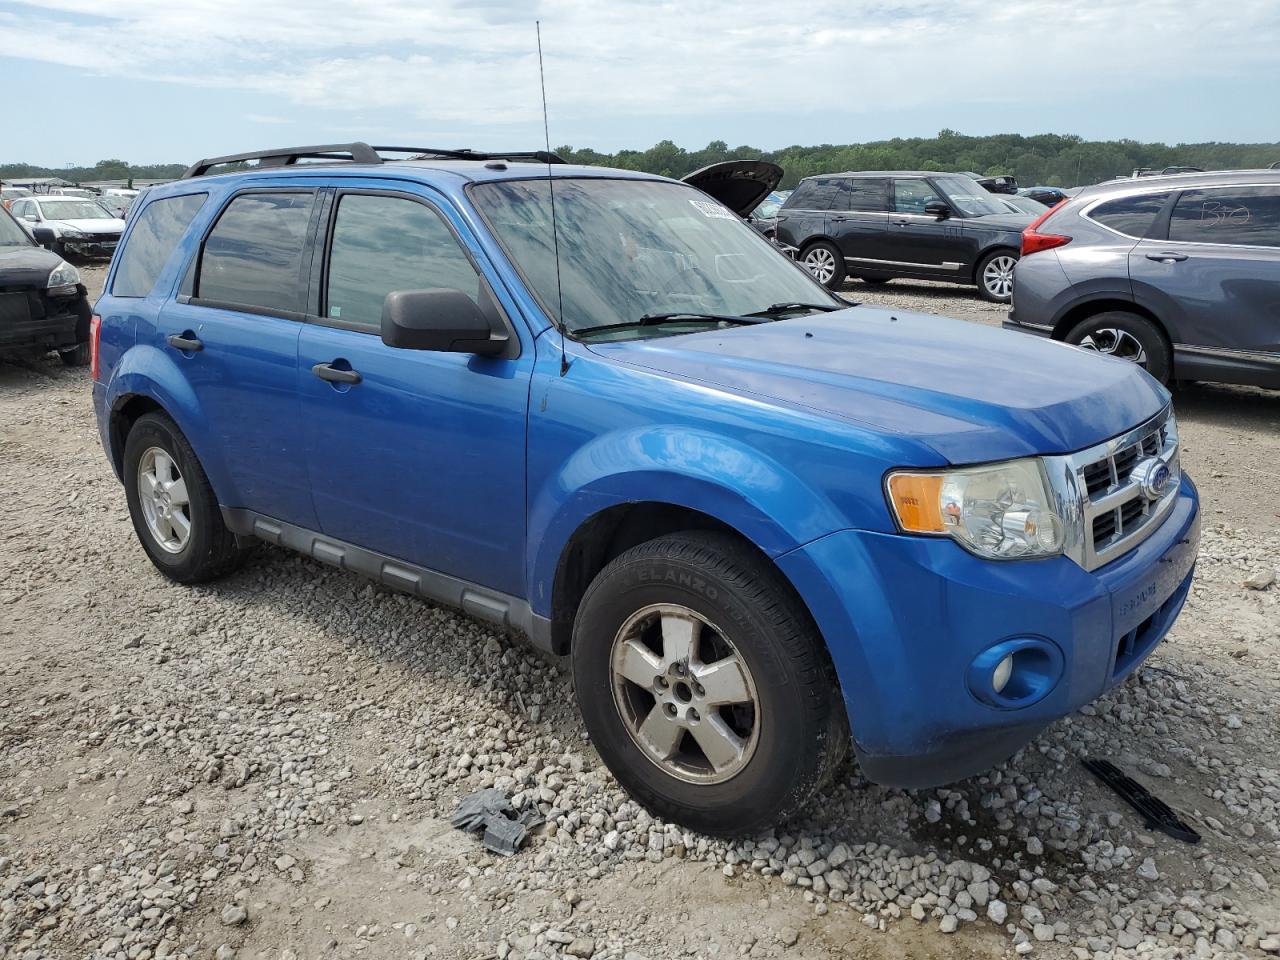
186,341
1167,257
327,371
839,219
901,223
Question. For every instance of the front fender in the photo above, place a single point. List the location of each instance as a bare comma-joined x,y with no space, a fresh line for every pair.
147,372
698,470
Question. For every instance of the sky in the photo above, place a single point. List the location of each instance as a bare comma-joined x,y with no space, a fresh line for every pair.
153,81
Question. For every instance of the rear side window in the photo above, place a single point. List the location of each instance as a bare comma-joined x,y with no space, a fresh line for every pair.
151,241
1248,216
253,256
869,196
1131,216
820,195
381,244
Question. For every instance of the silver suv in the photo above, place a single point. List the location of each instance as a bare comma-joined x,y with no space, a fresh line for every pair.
1180,274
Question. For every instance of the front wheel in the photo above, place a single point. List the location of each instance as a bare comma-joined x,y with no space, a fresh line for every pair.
77,356
705,686
1126,336
825,262
995,276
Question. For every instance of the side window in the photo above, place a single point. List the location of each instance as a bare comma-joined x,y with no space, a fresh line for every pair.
1131,216
869,196
381,244
910,196
817,195
21,208
253,255
1236,215
151,241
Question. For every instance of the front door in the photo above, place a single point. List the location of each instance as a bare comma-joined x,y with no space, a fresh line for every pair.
919,242
414,454
1214,279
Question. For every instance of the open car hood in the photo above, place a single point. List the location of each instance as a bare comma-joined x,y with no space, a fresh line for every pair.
740,185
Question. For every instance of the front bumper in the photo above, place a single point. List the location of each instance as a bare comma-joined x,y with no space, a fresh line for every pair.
30,319
905,618
91,248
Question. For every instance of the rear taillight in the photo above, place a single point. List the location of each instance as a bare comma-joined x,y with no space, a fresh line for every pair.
1033,241
95,334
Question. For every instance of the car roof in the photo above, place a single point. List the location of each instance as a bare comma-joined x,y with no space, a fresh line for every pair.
439,172
1180,181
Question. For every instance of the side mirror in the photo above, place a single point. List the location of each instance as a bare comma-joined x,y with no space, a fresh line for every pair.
936,208
447,321
30,218
44,235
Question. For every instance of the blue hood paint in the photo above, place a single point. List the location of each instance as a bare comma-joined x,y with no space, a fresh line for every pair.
971,393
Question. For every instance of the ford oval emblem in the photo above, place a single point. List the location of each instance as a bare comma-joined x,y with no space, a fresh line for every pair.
1152,476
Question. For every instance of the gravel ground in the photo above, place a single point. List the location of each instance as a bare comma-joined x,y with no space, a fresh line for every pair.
265,767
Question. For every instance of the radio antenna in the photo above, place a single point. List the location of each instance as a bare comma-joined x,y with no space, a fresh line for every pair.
551,188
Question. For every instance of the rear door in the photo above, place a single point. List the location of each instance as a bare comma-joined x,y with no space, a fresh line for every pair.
858,226
418,455
233,332
919,242
804,215
1214,277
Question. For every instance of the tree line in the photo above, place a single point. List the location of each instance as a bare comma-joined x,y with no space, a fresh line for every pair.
1046,159
1059,160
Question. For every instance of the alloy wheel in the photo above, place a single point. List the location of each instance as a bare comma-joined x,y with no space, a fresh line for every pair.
162,494
997,277
1115,342
821,263
685,694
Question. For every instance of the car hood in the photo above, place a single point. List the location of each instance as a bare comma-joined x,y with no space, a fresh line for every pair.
740,185
1016,222
972,393
26,266
93,225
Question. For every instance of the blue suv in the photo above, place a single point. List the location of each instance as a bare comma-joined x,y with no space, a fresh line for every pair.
596,408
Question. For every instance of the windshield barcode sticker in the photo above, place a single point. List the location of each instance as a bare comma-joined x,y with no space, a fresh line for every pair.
710,208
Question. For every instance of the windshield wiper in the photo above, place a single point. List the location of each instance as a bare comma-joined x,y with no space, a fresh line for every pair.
777,308
653,319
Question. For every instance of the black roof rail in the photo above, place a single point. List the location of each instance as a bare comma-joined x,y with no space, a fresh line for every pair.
359,152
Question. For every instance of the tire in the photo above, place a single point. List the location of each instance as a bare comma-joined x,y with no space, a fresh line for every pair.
994,276
209,549
77,356
1128,336
753,638
825,262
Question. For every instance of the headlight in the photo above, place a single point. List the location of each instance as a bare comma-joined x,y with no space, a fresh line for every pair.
1002,511
63,275
70,232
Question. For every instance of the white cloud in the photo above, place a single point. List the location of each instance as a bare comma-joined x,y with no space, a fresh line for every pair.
473,63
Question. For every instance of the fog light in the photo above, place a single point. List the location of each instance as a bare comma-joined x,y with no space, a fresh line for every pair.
1000,677
1015,673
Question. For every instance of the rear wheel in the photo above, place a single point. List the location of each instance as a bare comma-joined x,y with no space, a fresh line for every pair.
824,261
705,686
77,356
1126,336
175,513
995,276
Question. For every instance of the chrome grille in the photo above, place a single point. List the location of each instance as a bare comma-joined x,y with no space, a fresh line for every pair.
1098,485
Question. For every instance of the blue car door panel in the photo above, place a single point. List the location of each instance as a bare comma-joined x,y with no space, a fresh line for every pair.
413,454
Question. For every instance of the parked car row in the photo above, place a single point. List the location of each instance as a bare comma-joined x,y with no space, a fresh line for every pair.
77,225
1179,274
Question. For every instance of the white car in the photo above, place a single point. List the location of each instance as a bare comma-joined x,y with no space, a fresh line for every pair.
79,226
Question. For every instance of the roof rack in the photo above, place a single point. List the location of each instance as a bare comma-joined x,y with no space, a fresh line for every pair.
359,152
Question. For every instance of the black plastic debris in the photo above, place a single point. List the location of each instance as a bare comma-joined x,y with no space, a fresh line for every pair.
489,813
1157,814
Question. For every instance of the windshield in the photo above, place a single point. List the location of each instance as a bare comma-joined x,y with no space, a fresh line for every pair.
70,209
636,248
11,235
967,196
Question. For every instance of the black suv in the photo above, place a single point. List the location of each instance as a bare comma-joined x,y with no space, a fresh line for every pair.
886,224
